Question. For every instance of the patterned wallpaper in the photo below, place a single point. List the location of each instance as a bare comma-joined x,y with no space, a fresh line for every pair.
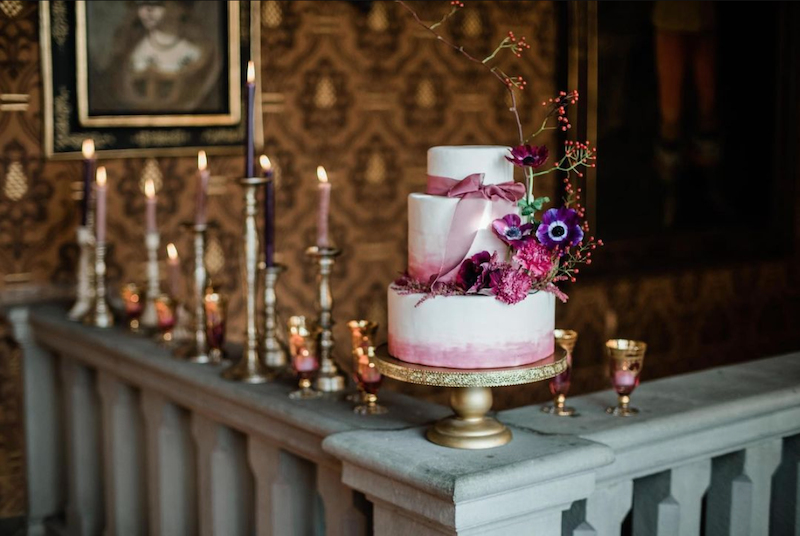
358,88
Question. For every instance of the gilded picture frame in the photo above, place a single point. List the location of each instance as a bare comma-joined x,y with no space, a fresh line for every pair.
147,78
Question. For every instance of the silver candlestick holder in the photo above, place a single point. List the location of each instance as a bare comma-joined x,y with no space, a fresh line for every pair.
329,379
250,368
149,318
196,349
85,288
275,353
100,315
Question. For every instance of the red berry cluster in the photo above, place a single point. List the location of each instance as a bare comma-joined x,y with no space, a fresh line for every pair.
560,104
456,3
517,46
516,81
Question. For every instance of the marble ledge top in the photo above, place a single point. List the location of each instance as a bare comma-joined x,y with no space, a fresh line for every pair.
320,417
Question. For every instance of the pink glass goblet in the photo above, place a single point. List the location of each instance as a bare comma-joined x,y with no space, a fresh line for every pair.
625,361
166,318
134,305
559,384
369,381
304,359
363,336
216,316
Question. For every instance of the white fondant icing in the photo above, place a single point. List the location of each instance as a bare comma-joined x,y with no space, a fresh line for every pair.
457,162
448,331
429,219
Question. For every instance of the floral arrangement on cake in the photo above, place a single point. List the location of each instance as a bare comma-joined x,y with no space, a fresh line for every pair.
542,251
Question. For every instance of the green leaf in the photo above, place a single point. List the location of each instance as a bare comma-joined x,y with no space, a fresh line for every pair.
527,210
539,202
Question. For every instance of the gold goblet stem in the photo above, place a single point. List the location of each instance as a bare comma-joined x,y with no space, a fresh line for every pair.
250,368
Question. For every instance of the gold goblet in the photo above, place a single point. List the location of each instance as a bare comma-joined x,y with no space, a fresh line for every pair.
166,318
304,358
216,315
134,305
625,361
369,381
363,336
559,384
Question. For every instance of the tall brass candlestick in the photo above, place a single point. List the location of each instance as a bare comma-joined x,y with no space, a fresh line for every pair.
196,350
250,368
100,316
275,355
329,379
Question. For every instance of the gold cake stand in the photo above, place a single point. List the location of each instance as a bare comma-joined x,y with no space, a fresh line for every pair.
470,396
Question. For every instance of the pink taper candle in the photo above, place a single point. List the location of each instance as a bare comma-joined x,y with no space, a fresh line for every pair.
324,208
250,136
100,209
202,188
174,265
88,178
150,192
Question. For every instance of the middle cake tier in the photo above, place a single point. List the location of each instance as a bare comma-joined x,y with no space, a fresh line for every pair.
429,221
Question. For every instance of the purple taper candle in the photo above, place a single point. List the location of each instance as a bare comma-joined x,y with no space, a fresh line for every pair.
269,211
251,119
88,178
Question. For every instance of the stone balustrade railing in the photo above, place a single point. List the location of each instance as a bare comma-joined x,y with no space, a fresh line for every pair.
123,439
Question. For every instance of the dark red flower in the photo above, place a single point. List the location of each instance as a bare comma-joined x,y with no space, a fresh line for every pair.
473,274
528,155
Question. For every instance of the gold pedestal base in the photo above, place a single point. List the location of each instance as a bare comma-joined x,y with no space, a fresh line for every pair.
558,408
623,409
470,396
470,428
249,369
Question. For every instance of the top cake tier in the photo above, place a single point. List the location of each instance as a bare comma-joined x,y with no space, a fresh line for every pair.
457,162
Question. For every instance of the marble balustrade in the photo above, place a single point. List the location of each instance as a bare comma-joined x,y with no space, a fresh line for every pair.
122,439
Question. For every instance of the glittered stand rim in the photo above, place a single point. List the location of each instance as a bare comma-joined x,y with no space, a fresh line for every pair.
443,377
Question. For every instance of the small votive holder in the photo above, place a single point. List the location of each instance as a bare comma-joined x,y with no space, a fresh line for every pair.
625,362
166,315
133,301
303,354
216,306
369,381
559,384
362,334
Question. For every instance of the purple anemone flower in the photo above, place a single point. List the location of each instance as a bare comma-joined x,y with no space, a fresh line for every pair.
510,230
473,274
560,227
528,155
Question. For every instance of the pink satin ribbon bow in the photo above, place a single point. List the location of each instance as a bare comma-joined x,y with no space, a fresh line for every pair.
472,196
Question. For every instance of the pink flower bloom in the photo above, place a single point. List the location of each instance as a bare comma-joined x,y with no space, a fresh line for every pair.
535,258
510,285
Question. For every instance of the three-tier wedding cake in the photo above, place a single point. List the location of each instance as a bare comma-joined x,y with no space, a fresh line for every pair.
452,244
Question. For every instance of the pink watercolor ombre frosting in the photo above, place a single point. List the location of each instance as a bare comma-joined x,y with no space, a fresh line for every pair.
470,331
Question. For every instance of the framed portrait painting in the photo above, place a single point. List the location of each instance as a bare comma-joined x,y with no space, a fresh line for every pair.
160,78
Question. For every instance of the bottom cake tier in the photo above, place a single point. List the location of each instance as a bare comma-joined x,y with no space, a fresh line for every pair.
470,332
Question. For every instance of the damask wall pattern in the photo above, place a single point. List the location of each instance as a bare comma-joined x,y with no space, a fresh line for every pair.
358,88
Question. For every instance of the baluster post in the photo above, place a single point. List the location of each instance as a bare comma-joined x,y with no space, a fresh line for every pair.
739,496
84,508
602,513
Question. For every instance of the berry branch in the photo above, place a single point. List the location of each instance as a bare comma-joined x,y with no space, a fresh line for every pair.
509,42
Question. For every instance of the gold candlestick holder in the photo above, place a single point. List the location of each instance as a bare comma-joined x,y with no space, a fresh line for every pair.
329,379
275,354
196,350
100,316
250,368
